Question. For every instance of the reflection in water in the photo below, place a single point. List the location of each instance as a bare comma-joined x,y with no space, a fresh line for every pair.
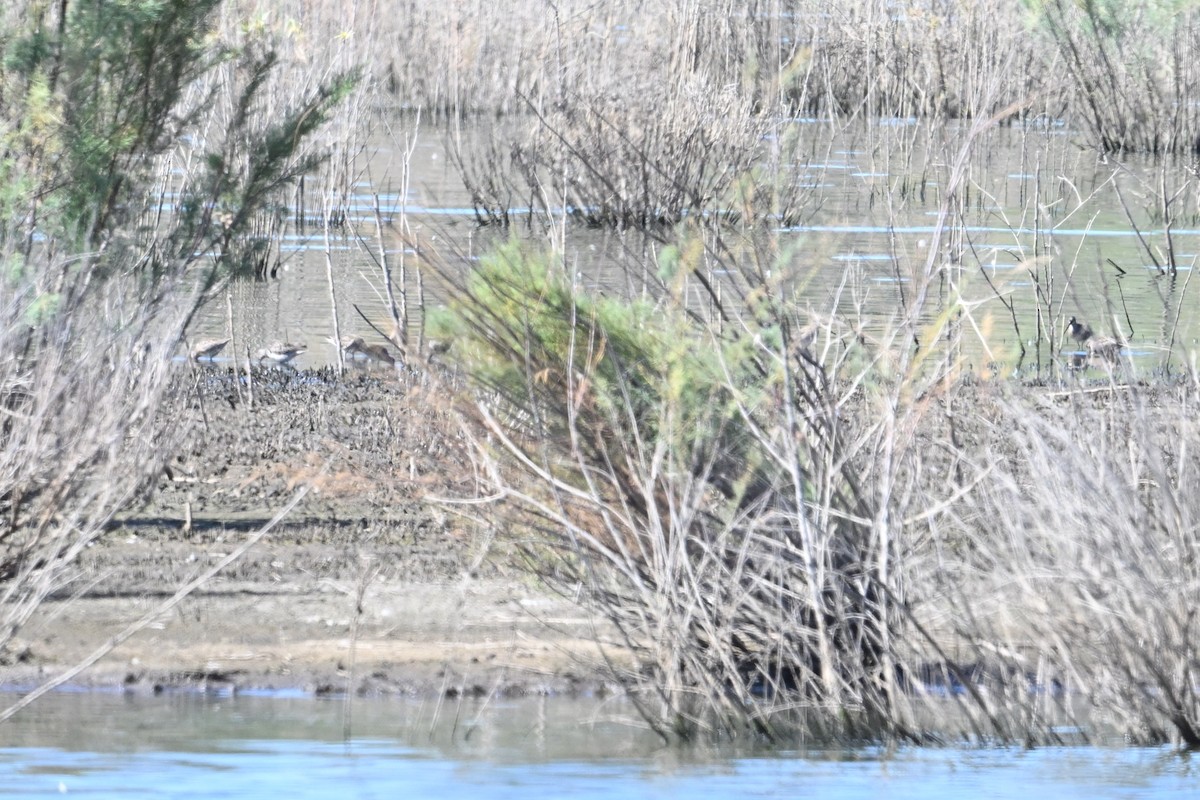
118,746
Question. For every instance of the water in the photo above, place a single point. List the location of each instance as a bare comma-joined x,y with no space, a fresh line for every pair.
103,745
1045,227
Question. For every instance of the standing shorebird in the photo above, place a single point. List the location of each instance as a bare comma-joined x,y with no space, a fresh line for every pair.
208,348
1079,331
354,346
1098,347
350,345
377,352
1104,347
280,353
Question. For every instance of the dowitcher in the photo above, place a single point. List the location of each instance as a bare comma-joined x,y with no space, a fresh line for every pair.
208,348
1104,347
280,353
376,352
349,344
354,346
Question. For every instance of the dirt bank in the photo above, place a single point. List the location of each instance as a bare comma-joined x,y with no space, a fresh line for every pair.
370,585
365,587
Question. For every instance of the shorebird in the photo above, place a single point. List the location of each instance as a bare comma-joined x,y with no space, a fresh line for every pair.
1102,347
281,353
1079,331
208,348
354,346
350,345
377,352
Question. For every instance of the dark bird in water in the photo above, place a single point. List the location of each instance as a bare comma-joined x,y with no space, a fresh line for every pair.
1101,347
1079,331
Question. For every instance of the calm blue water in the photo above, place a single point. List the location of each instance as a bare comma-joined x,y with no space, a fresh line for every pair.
110,746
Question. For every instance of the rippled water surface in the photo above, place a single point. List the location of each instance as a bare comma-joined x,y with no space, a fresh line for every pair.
1046,231
114,746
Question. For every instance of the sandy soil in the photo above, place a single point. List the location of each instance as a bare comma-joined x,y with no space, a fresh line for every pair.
367,586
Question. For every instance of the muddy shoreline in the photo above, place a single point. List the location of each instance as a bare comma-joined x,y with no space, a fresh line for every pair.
373,584
368,587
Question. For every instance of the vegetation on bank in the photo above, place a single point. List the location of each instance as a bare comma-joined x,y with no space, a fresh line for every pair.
854,574
137,155
796,526
641,113
797,530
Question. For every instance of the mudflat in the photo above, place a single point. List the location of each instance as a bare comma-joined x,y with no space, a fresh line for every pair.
372,584
378,581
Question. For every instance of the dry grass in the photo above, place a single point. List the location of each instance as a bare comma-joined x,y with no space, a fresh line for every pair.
109,248
748,492
846,541
639,114
799,529
1078,554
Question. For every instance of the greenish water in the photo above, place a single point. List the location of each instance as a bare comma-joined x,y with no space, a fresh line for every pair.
109,745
